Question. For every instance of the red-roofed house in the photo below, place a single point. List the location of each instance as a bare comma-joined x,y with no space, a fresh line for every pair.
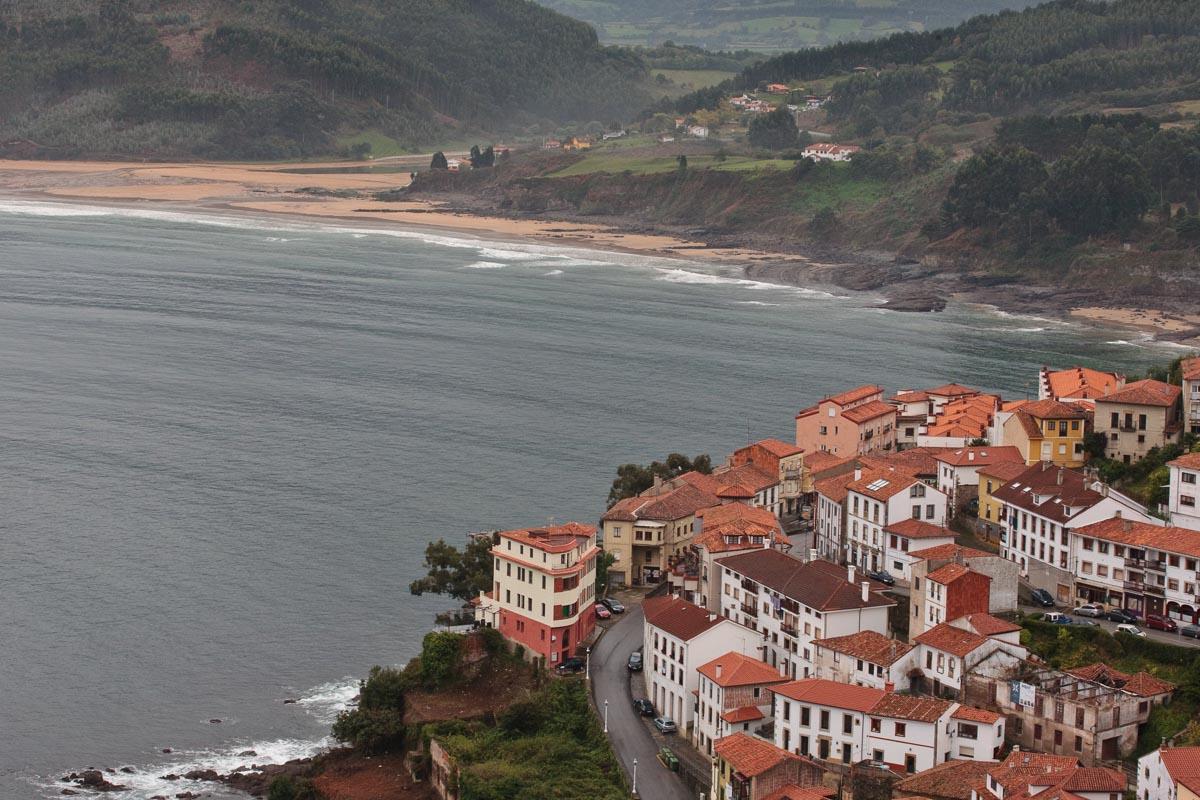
734,695
1183,504
722,531
946,652
958,470
909,536
1002,591
866,658
678,637
843,724
1077,383
879,498
1144,415
543,589
748,768
783,460
953,591
1045,430
1169,773
848,424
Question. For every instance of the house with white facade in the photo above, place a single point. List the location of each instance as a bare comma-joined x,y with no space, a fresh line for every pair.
790,603
878,498
1045,776
958,470
841,725
678,637
1039,509
734,695
866,658
1183,503
1169,773
1191,394
830,520
907,537
947,651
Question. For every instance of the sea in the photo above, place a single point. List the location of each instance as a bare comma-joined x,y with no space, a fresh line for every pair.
225,441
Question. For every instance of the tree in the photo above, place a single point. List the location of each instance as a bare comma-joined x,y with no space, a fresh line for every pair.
633,479
993,184
460,574
681,164
439,161
476,157
377,724
825,225
774,131
1097,190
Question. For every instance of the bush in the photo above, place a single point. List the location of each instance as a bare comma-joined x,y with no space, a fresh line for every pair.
372,731
441,654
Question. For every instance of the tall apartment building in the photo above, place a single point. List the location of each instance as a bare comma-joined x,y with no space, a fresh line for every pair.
848,424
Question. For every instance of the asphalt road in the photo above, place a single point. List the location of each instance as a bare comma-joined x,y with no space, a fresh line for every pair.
629,735
1111,627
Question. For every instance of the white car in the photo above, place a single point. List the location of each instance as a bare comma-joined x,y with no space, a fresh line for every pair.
1132,630
1089,610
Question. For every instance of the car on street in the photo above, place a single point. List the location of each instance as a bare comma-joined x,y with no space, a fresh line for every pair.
1057,618
883,576
602,612
574,664
1190,630
1089,610
1132,630
643,707
665,724
1042,598
1157,622
1121,615
634,664
613,604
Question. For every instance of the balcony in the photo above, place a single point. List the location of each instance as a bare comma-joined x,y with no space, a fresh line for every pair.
749,586
1154,589
1156,566
749,608
1134,586
790,630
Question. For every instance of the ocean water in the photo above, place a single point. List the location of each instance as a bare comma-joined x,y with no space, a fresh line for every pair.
225,441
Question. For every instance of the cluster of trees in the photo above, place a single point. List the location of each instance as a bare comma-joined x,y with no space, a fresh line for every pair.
633,479
774,131
893,99
1087,176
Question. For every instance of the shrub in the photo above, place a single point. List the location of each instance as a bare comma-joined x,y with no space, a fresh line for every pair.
441,654
372,731
285,787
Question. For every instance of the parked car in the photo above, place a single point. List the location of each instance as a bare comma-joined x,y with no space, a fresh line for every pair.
574,664
635,661
613,605
1121,615
1190,630
1132,630
643,707
665,724
602,612
883,576
1089,610
1158,622
1057,618
1042,598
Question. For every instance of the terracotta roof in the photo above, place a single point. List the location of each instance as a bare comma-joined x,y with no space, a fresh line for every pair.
820,691
678,617
949,551
1144,534
552,538
952,390
743,714
854,395
1144,393
910,707
821,460
868,411
1182,764
779,448
867,645
735,669
982,456
794,792
809,583
1187,461
972,714
949,573
746,475
1005,470
1043,480
750,755
684,500
736,526
987,625
951,780
1081,382
735,490
883,484
835,488
916,461
918,529
911,397
1141,684
1021,766
1191,369
1095,779
952,640
1052,409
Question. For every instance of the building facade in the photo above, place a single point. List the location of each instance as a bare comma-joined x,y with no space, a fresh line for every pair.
734,695
848,424
1134,420
1183,502
1048,430
1169,773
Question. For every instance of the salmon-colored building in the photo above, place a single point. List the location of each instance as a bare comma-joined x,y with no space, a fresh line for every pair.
848,424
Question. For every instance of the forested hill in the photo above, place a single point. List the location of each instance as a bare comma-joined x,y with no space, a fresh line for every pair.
285,78
1046,58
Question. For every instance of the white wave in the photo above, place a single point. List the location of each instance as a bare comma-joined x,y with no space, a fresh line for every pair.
1124,343
757,303
485,265
324,702
277,239
508,255
686,276
554,272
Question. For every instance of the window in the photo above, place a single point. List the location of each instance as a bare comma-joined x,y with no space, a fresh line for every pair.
847,723
1037,731
824,719
901,728
910,763
1078,744
1187,477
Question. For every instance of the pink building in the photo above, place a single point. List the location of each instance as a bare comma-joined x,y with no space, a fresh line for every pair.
848,424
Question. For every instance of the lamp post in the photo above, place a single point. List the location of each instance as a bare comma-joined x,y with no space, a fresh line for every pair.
635,777
606,716
587,665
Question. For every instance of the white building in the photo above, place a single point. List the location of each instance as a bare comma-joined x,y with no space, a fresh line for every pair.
827,151
947,651
867,658
734,695
677,638
878,498
958,470
1191,394
1183,505
1169,773
833,722
790,603
911,536
1045,776
830,520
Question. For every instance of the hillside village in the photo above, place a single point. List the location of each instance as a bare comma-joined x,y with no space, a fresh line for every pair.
856,613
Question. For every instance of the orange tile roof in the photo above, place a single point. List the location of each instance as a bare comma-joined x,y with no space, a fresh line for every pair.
794,792
1005,470
948,639
987,625
951,551
1187,461
664,503
1021,766
679,618
779,448
817,584
854,395
910,397
868,411
1144,534
1182,764
1082,382
869,646
750,755
821,460
951,780
952,390
1141,684
895,481
919,529
910,707
981,715
1144,393
552,538
982,456
1061,489
836,487
735,669
748,475
1053,409
949,573
743,714
820,691
1095,779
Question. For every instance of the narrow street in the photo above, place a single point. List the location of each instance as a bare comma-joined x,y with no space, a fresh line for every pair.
1111,627
630,737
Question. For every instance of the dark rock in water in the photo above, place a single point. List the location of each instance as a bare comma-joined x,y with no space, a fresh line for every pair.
167,750
202,775
94,779
170,776
247,753
289,701
128,770
187,796
214,721
68,791
916,301
158,797
111,771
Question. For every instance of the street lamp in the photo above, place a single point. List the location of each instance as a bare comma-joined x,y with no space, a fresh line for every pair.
587,665
635,777
606,716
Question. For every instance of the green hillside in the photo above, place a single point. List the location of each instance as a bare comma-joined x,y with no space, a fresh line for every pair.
767,25
276,79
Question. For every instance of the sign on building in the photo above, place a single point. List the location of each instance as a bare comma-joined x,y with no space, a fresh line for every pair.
1021,694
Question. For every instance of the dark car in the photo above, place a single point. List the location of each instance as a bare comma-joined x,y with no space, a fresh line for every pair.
1158,622
1190,630
883,576
1042,598
571,665
635,661
613,605
644,707
1121,615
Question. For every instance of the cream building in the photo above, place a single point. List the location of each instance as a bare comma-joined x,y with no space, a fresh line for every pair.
1144,415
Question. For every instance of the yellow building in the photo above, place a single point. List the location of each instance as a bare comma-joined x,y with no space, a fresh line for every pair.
1048,430
991,478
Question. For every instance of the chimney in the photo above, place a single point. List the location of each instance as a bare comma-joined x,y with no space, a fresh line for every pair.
718,672
712,617
866,591
1059,478
1126,525
812,554
889,687
858,473
850,573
